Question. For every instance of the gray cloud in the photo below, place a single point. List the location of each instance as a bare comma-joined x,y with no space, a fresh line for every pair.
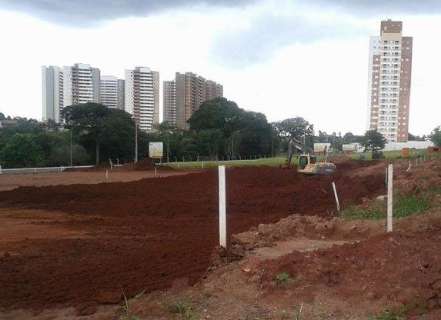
369,7
87,12
268,33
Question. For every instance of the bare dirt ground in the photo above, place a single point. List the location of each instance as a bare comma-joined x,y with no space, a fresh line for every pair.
99,241
12,181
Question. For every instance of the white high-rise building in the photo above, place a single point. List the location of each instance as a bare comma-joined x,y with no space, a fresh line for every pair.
81,84
142,96
112,92
390,69
52,84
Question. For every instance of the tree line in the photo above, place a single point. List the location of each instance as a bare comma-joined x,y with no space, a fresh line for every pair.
93,133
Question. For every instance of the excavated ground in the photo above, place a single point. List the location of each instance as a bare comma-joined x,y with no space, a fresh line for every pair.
100,241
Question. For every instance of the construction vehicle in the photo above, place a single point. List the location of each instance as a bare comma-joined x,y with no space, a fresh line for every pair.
308,163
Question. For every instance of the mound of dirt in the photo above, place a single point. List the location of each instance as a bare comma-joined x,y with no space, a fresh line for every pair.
395,269
311,227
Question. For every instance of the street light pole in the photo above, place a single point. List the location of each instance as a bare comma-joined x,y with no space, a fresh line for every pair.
136,141
71,152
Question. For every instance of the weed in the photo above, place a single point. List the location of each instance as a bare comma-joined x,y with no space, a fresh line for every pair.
182,308
374,211
406,206
295,315
126,313
282,278
403,206
298,313
388,315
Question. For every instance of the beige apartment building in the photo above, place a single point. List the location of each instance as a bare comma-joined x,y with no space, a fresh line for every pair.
183,96
390,73
169,102
142,96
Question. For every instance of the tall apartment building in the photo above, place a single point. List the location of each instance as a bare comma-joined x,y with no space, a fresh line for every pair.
142,96
112,92
52,84
191,91
390,70
81,84
169,102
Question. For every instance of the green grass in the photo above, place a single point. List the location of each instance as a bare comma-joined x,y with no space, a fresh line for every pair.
389,155
182,308
283,278
273,162
403,206
388,315
406,206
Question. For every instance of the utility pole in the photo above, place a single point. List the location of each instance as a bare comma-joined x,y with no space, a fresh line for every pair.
71,152
168,147
136,142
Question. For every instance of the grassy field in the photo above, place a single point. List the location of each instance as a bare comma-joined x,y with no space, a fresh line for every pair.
280,160
274,162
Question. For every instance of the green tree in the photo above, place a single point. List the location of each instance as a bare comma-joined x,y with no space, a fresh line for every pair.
22,150
232,130
435,136
373,141
118,136
87,121
295,128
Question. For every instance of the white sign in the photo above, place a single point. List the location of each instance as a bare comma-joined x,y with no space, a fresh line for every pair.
155,150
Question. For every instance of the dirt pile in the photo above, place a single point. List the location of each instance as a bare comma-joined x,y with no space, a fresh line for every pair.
144,235
395,269
422,177
311,227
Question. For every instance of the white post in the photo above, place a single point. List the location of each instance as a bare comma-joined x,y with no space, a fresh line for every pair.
336,196
1,169
155,172
107,174
390,191
222,208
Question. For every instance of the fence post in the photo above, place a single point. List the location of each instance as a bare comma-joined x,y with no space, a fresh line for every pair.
336,196
390,191
222,208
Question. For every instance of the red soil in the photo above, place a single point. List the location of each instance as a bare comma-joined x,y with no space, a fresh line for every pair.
148,233
398,269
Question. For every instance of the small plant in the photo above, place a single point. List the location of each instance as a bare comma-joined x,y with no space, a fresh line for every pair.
283,278
403,206
406,206
298,313
182,308
388,315
126,313
374,211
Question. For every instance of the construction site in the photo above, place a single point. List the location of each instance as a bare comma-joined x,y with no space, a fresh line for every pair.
143,243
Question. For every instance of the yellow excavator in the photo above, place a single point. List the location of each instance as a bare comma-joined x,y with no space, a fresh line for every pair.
308,163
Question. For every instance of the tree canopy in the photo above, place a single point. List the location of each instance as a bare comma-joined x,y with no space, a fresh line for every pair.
435,136
373,141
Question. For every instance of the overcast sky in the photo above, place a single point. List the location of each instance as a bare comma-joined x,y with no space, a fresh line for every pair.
288,58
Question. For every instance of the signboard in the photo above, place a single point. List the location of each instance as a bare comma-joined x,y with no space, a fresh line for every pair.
155,150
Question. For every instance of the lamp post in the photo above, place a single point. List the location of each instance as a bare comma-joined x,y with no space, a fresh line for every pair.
71,151
136,142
